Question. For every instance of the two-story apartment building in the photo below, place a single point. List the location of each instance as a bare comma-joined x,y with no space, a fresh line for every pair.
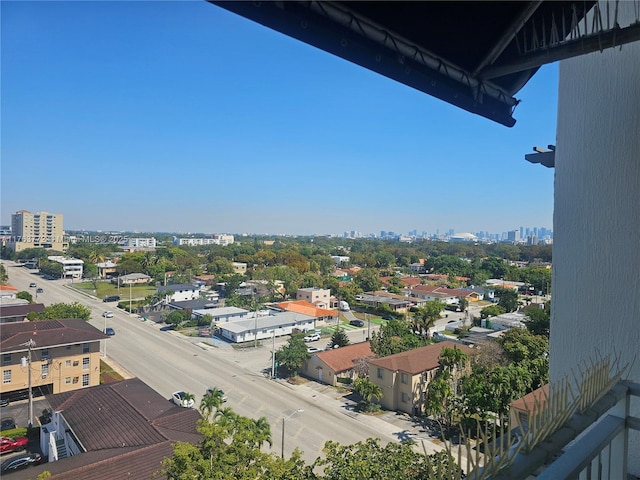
404,377
62,355
71,267
320,297
180,292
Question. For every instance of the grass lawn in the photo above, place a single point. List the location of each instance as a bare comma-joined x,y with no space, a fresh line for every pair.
107,288
107,374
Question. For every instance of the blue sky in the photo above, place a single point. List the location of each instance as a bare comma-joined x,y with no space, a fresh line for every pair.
180,116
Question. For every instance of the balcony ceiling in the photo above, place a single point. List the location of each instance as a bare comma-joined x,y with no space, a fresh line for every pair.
475,55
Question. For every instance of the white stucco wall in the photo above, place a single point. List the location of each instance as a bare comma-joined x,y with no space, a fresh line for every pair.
596,251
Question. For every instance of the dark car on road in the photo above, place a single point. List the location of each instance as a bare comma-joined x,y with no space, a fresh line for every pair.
109,331
111,298
357,323
40,290
20,461
8,423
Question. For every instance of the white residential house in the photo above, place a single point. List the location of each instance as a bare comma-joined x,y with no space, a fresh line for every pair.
263,327
180,292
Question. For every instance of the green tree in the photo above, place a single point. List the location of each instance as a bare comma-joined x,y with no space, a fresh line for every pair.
291,356
508,299
4,277
339,337
25,296
177,317
368,279
368,390
393,461
425,316
348,293
394,337
231,448
61,311
539,322
49,267
491,311
211,402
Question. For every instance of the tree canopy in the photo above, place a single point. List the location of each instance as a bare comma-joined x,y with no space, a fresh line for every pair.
60,311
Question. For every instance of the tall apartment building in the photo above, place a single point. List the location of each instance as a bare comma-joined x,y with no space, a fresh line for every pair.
40,229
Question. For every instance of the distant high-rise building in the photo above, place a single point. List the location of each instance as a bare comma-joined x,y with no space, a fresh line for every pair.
37,230
513,236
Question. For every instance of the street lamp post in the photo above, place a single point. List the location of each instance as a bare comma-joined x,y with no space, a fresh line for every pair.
283,420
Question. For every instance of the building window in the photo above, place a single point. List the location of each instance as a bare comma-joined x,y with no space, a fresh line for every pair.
45,353
67,380
85,380
44,369
85,363
379,373
85,348
68,347
6,359
405,397
67,363
75,379
404,378
6,376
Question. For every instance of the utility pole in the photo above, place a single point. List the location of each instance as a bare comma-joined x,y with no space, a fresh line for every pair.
30,344
273,354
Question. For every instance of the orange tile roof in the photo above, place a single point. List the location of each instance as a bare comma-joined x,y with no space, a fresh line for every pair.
306,308
8,288
342,359
418,360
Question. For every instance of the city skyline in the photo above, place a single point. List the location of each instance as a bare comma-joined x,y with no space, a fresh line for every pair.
181,116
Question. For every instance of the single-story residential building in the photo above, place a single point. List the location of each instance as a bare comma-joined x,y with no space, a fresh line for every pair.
137,430
446,295
132,279
263,327
395,304
506,321
223,314
404,377
322,316
329,365
197,304
8,292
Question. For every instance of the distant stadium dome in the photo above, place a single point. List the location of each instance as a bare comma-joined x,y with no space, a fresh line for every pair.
463,237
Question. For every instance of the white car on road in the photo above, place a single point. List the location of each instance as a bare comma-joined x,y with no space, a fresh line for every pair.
179,398
107,314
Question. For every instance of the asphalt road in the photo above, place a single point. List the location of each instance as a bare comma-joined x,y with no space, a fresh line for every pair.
168,361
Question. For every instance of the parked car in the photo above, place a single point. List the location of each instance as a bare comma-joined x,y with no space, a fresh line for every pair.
313,350
109,331
39,290
107,314
20,461
312,338
4,402
357,323
32,285
224,397
13,444
179,399
111,298
8,423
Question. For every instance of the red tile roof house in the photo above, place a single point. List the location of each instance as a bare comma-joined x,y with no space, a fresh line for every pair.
328,366
404,377
322,315
523,407
112,431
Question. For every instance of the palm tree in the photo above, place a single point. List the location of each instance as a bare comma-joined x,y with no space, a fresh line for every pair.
225,416
262,431
211,401
367,389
